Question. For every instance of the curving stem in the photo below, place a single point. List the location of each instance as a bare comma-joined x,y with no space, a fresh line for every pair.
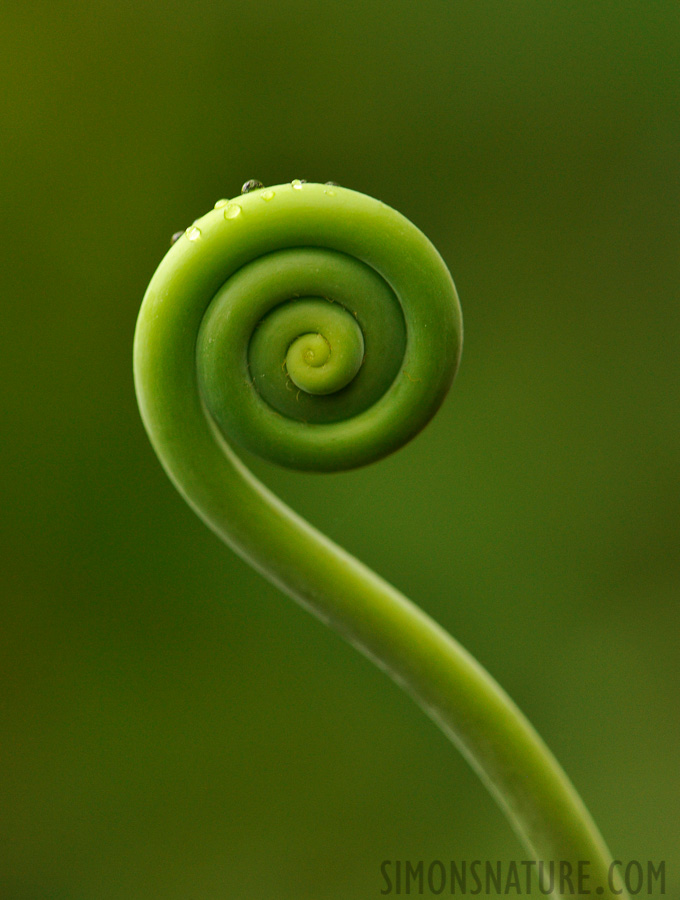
321,329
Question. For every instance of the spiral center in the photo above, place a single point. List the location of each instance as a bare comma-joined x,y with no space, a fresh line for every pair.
312,349
322,364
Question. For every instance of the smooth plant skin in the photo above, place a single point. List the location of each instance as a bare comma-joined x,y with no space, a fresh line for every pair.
320,329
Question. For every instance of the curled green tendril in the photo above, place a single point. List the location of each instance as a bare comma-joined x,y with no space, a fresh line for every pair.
320,329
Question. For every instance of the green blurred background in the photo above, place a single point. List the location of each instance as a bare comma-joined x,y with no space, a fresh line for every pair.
173,727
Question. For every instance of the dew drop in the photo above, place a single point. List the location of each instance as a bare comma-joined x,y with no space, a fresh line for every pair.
267,195
231,210
221,203
329,191
297,183
252,185
333,183
193,233
176,236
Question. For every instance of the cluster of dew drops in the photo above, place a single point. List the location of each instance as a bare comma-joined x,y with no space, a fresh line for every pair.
232,210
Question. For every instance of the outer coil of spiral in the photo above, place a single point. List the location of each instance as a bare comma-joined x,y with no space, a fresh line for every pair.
322,329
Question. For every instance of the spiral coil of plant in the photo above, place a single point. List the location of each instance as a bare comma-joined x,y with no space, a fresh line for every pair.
320,329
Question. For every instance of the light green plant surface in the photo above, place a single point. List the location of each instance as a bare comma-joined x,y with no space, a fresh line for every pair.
228,348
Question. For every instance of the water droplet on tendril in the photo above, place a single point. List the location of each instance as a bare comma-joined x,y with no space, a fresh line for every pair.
221,203
297,183
252,185
176,236
329,191
193,233
267,195
333,183
231,210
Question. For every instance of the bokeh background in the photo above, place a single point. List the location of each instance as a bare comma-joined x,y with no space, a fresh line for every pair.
172,727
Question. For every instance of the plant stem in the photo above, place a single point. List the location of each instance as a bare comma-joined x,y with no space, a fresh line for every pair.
216,287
